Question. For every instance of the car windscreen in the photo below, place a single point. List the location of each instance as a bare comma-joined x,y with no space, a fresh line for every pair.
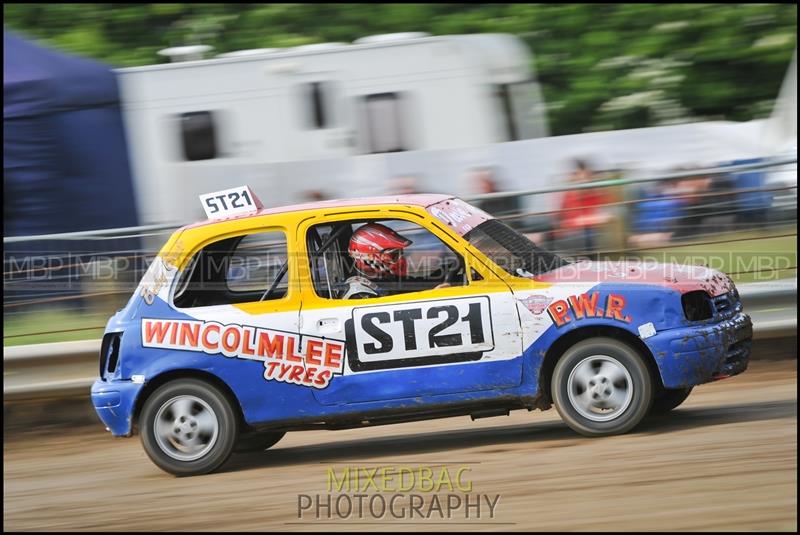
512,251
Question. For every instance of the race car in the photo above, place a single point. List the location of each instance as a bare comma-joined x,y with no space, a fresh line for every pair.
358,312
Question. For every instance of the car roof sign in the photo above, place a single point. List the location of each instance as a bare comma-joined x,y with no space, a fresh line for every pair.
231,202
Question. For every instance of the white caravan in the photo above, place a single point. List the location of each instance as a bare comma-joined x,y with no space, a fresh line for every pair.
290,121
344,120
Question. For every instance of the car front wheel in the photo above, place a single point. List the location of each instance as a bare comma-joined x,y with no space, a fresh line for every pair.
188,427
602,386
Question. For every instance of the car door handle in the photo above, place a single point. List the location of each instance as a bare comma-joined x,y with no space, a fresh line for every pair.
328,325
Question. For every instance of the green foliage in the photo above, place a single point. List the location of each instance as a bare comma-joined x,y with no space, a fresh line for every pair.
602,66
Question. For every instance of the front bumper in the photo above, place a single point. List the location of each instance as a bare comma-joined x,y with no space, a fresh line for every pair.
114,402
690,356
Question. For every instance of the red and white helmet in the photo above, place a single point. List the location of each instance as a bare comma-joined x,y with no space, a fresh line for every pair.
378,251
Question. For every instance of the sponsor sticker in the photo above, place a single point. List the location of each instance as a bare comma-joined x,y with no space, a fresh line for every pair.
458,215
288,357
536,303
578,307
647,330
154,279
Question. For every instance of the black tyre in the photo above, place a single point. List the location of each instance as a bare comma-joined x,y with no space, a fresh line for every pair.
258,440
188,427
667,400
602,386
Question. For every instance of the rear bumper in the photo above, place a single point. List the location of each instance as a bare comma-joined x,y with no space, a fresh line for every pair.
691,356
114,402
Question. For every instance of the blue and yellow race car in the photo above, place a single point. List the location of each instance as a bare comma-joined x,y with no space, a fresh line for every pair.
360,312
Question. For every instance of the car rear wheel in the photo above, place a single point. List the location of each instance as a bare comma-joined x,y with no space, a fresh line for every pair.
188,427
667,400
602,386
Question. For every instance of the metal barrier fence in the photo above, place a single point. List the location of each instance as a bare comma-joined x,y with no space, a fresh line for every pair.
140,230
66,369
64,295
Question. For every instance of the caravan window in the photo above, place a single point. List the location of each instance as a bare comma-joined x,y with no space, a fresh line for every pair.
382,126
522,110
503,95
316,104
198,135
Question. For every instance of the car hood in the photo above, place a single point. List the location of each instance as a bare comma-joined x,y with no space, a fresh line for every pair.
673,276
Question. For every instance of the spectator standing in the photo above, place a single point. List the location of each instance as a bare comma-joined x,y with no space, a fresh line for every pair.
485,181
582,210
694,205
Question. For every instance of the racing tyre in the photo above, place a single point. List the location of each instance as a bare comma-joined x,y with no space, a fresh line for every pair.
188,427
257,440
669,399
602,386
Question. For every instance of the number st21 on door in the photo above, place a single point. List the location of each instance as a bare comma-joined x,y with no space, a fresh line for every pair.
411,331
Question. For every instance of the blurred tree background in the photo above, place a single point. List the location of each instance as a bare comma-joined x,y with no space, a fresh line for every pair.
601,66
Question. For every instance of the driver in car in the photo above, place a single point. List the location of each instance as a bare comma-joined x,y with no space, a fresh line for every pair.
377,254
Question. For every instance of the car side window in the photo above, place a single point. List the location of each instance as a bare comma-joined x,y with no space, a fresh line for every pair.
241,269
361,259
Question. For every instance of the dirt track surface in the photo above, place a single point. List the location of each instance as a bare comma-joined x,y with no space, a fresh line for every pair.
725,460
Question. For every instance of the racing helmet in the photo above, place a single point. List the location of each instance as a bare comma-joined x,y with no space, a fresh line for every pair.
378,251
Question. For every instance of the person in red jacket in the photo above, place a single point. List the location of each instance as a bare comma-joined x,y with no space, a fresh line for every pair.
582,210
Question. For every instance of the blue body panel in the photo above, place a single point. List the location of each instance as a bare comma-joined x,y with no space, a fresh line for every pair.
686,354
114,402
437,380
693,355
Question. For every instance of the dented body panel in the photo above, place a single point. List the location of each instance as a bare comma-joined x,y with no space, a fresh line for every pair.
691,356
